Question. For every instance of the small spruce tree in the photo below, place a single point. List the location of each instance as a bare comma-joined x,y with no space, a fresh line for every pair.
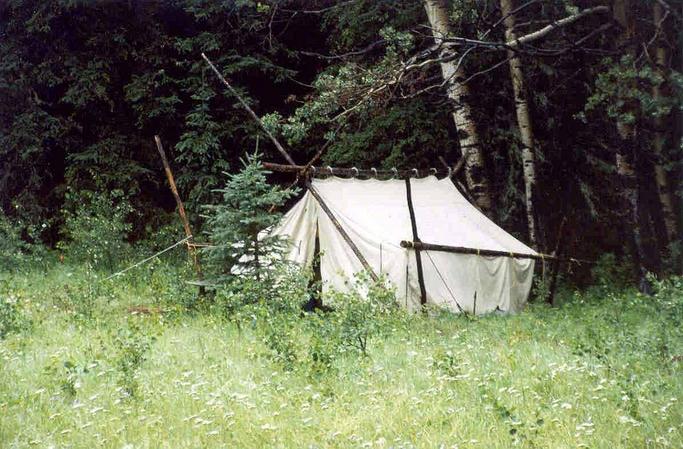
235,224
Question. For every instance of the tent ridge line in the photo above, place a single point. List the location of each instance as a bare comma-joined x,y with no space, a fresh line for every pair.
418,257
353,172
342,231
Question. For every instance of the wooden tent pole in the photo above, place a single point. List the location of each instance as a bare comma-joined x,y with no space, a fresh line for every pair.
308,169
485,252
559,246
341,230
251,112
181,209
457,168
458,185
418,257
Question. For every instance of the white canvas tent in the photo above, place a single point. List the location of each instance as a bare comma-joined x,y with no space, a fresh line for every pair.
376,216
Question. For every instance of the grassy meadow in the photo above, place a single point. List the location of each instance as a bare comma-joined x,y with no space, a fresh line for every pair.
134,362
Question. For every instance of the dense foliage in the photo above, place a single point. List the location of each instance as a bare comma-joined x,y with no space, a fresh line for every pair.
85,85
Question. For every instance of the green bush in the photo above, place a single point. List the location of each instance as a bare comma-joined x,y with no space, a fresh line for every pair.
611,274
15,252
67,375
11,317
360,314
668,298
132,344
95,227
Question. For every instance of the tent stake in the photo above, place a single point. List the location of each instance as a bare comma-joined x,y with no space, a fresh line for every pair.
418,257
341,230
181,210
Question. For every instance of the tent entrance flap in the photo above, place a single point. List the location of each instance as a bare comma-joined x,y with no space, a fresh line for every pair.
341,230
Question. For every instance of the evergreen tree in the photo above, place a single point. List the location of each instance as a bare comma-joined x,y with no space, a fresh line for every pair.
234,225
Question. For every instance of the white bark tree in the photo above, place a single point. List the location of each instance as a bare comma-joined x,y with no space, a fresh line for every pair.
525,125
459,95
626,153
661,176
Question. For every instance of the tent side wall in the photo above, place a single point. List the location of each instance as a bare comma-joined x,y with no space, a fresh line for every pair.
299,226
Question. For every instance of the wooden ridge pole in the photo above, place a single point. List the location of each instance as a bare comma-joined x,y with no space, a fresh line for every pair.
486,252
181,209
343,171
251,112
342,231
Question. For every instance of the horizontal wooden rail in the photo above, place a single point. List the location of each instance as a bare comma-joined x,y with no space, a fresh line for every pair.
422,246
353,172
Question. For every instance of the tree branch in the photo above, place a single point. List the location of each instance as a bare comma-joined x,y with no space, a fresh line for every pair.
536,35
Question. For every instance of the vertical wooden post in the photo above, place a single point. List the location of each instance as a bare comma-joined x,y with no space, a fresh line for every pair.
418,257
181,209
559,246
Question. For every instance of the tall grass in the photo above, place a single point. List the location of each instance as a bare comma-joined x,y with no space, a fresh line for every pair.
602,371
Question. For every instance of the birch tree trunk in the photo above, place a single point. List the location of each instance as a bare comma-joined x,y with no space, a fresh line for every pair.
459,96
525,126
661,177
626,155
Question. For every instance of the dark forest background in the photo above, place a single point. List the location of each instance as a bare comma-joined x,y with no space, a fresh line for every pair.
85,85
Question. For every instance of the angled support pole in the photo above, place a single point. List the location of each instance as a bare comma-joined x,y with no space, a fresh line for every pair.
251,112
289,159
458,185
181,209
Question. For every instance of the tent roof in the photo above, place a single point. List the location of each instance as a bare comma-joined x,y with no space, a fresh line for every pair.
443,215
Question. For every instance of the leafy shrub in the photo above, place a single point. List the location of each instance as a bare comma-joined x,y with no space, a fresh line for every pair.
11,317
276,313
12,247
610,274
168,282
67,375
95,227
668,298
448,363
132,344
359,313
